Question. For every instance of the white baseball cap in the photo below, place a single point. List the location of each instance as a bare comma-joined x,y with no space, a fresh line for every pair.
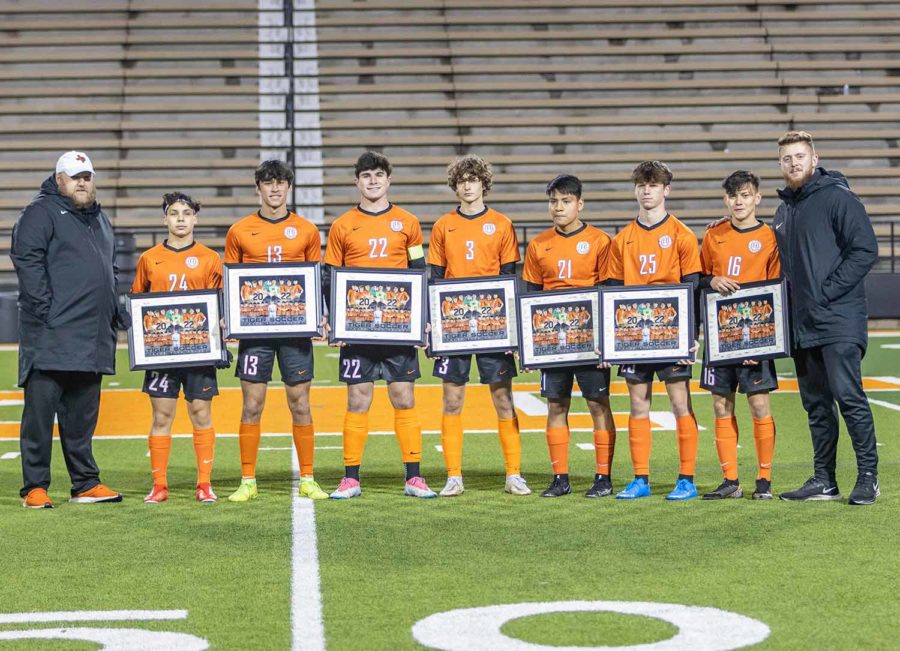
74,162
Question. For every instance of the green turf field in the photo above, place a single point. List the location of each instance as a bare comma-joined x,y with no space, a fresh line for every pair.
819,575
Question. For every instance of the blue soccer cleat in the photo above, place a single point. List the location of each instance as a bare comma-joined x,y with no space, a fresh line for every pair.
635,489
684,490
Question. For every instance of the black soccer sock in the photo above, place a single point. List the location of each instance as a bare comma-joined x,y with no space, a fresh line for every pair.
601,476
412,470
352,472
646,478
690,478
564,477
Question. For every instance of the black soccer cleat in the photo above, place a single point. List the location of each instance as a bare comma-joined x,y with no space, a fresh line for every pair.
602,488
813,490
558,487
728,489
763,490
866,490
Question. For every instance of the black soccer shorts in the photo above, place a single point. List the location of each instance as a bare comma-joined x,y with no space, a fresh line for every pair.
256,360
724,380
199,383
492,368
644,373
556,383
369,363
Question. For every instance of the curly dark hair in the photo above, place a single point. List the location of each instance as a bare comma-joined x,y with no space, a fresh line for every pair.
470,166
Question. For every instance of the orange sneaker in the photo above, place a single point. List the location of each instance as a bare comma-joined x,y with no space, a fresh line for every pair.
158,493
98,493
37,498
205,494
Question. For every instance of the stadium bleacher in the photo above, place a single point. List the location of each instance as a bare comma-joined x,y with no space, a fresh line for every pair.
163,96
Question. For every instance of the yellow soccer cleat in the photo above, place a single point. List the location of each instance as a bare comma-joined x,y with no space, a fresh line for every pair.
311,489
246,491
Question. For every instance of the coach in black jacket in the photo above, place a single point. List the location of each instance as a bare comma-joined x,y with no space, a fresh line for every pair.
64,254
827,246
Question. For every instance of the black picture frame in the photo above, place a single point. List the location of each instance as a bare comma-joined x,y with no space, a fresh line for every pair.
362,312
552,331
638,326
175,329
274,306
472,315
751,323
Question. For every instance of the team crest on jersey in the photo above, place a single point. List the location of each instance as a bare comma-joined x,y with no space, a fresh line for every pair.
396,225
192,262
755,246
665,242
583,247
488,229
290,232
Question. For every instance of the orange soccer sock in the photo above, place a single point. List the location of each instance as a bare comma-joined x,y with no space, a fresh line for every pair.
452,443
409,435
640,440
248,440
511,444
726,446
305,442
356,431
205,451
686,427
604,449
160,447
764,437
558,443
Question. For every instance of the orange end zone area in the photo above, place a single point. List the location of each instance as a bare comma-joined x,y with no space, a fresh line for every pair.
126,412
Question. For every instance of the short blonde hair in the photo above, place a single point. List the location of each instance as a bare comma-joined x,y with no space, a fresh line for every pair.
792,137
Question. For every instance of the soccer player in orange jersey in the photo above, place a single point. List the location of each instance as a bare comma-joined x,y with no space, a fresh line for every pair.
274,234
656,249
572,254
741,250
475,240
179,263
377,233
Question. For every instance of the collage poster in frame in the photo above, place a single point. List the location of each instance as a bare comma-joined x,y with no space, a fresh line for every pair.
750,323
558,328
472,315
646,324
378,306
174,329
277,299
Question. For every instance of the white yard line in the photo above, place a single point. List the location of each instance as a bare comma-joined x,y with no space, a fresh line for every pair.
882,403
307,627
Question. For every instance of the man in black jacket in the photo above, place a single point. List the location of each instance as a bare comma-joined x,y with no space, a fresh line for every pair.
64,255
827,247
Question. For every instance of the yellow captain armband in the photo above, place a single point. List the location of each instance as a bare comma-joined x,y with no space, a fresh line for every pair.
415,252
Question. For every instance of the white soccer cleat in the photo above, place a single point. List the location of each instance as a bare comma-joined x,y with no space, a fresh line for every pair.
453,487
516,485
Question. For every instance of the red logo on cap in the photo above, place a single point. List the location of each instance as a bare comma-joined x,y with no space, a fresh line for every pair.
80,158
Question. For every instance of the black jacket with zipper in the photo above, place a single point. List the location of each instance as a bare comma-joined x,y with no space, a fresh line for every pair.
65,262
827,246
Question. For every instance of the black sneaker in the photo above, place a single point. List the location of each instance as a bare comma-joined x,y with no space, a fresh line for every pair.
602,487
763,490
728,489
866,490
814,489
557,488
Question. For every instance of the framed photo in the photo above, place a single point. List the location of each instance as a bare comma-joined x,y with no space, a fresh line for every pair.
378,306
473,315
276,299
558,328
751,323
174,329
646,324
